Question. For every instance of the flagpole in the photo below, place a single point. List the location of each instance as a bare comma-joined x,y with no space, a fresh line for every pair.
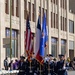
10,31
30,67
40,69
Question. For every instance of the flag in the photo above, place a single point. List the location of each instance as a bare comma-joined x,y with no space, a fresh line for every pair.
44,38
37,44
29,38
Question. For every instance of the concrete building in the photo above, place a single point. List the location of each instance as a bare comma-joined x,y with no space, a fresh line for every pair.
60,23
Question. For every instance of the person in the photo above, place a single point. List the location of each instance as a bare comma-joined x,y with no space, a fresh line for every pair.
11,65
15,64
33,64
67,63
55,66
61,66
51,64
21,66
45,68
6,64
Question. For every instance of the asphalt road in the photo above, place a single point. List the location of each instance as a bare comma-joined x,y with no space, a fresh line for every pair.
71,72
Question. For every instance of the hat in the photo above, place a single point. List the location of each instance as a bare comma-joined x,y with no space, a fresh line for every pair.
61,55
50,55
22,57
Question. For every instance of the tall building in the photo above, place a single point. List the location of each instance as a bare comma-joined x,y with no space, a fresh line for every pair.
60,24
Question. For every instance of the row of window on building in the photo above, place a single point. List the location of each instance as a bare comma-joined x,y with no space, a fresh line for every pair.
17,8
54,44
62,2
54,16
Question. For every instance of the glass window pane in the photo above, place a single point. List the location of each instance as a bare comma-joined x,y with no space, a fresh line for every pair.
63,47
8,52
7,32
13,48
63,41
54,46
13,33
54,50
53,40
71,45
71,26
63,51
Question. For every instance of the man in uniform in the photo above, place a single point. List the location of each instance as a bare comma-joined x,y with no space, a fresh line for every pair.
61,66
21,66
51,65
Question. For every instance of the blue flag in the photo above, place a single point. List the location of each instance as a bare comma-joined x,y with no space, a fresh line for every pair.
44,37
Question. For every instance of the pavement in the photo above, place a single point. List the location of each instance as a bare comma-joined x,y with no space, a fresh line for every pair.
16,71
71,72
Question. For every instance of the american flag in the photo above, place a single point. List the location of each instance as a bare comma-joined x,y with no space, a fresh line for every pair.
28,39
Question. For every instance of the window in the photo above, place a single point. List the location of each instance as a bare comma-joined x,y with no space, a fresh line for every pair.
57,21
65,4
33,12
25,9
63,47
65,24
46,17
61,23
12,7
42,12
54,47
29,5
71,26
54,20
61,3
51,0
71,45
17,8
6,7
56,2
51,20
14,43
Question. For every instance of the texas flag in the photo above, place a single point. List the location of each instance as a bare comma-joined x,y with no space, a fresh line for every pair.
38,39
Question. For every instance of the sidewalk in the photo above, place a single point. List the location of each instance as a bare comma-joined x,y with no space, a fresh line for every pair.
71,72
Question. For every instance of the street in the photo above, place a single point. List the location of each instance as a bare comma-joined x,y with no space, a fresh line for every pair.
71,72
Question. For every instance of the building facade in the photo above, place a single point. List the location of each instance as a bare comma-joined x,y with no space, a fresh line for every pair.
60,25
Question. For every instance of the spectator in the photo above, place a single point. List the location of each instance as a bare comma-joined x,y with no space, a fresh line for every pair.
11,65
6,64
71,64
15,65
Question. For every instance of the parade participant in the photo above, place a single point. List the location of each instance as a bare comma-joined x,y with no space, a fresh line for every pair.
21,66
55,66
46,58
27,66
45,68
51,64
61,66
33,64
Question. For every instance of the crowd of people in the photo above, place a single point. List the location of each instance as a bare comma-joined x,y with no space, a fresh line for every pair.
50,65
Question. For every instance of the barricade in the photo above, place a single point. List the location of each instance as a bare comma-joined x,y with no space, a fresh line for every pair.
13,72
